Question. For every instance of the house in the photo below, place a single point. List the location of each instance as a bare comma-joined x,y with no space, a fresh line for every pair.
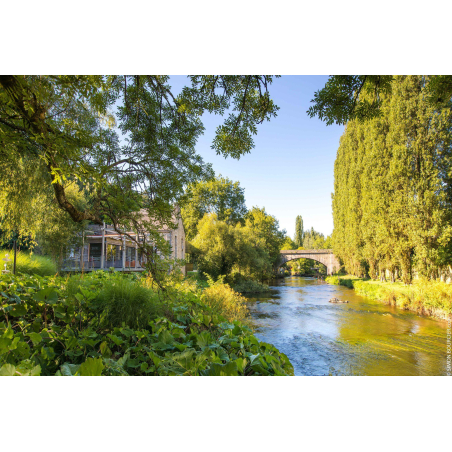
105,248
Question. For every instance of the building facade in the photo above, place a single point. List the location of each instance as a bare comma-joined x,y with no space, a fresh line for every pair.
104,248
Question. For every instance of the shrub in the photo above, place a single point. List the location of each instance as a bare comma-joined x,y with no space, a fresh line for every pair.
124,301
333,280
194,341
30,264
251,287
224,300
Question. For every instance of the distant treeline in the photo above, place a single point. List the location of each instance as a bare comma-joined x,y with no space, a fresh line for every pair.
392,203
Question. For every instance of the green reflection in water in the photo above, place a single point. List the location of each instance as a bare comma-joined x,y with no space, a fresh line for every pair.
363,337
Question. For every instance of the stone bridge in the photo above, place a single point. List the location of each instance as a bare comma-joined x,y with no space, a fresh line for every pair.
325,257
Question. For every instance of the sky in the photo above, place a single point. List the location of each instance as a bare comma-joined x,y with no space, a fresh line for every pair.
290,171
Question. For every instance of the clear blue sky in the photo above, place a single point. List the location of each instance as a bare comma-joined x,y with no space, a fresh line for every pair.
290,171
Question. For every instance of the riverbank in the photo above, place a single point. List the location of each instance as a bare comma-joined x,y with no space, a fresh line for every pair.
117,324
432,298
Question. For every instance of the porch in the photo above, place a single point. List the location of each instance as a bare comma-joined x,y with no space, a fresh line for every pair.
104,249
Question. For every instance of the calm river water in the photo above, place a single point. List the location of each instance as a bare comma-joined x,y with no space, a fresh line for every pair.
363,337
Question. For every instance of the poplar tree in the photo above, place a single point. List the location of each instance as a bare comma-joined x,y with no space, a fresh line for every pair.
298,239
392,199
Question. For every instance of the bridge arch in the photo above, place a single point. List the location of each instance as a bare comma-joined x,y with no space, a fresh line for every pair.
325,257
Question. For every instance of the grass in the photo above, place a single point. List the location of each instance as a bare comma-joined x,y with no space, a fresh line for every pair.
30,264
125,301
426,297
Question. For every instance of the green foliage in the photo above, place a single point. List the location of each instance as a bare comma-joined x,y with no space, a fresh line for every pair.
392,205
348,97
215,246
298,239
56,233
262,231
58,131
67,336
289,244
314,240
251,287
423,296
29,263
343,98
306,267
123,301
240,252
220,196
224,300
346,280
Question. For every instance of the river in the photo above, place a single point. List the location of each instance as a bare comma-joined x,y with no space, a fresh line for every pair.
363,337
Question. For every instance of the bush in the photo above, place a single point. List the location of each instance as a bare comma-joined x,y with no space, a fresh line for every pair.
251,287
124,301
50,326
224,300
30,264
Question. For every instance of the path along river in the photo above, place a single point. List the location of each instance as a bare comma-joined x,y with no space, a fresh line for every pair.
363,337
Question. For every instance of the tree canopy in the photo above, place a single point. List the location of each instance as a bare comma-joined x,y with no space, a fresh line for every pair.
128,139
220,196
239,252
347,97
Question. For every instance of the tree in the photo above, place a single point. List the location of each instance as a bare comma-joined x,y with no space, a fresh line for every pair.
298,231
215,246
58,234
347,97
128,139
263,232
289,244
221,249
391,205
220,196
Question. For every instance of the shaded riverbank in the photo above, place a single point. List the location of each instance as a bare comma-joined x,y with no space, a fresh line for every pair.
363,337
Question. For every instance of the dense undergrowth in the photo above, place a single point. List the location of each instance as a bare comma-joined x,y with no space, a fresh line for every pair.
115,324
423,296
27,263
251,287
243,287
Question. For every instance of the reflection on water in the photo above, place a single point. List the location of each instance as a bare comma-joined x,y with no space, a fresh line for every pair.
363,337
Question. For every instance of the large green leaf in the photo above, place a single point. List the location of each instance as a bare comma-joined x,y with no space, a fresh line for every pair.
27,368
106,352
222,370
47,295
204,339
7,370
91,367
241,364
18,311
36,338
69,370
222,354
115,339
